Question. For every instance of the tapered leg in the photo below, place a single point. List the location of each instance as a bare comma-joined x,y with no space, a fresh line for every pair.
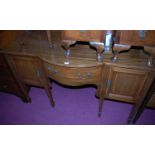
44,81
100,94
26,99
49,94
101,100
139,108
132,116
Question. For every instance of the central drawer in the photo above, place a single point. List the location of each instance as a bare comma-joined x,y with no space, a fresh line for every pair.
74,75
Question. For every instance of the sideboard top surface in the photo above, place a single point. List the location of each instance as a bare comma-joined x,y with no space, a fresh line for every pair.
36,43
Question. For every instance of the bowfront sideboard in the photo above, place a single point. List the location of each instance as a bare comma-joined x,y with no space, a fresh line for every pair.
119,63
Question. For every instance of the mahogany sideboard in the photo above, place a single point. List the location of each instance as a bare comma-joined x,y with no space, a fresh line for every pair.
28,59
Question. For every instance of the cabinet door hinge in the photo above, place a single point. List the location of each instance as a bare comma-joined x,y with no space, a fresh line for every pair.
108,85
38,72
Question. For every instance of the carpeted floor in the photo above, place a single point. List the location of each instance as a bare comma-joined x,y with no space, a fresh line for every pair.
73,106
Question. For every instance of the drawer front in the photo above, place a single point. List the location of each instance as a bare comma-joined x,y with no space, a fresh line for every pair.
74,76
83,35
10,87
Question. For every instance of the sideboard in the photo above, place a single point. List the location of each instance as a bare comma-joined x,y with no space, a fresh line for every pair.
125,72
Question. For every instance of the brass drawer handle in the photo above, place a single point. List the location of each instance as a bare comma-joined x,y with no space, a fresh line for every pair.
84,76
38,72
51,69
89,74
108,86
79,75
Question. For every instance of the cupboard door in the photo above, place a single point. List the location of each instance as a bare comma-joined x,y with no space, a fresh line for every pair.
125,84
27,69
30,71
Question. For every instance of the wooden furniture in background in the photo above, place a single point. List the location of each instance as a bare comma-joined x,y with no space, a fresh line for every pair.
95,38
124,39
8,37
49,38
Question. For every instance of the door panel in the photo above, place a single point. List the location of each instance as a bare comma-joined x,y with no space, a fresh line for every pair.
126,84
27,69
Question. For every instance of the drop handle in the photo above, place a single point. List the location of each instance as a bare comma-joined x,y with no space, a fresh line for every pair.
108,86
38,72
79,75
54,71
83,76
89,74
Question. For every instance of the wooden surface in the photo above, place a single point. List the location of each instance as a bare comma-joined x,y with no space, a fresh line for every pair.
82,55
127,80
138,108
151,102
141,38
126,84
8,37
84,35
9,82
96,39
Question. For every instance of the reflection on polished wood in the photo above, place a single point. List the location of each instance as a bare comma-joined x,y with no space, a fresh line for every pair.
124,39
95,38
